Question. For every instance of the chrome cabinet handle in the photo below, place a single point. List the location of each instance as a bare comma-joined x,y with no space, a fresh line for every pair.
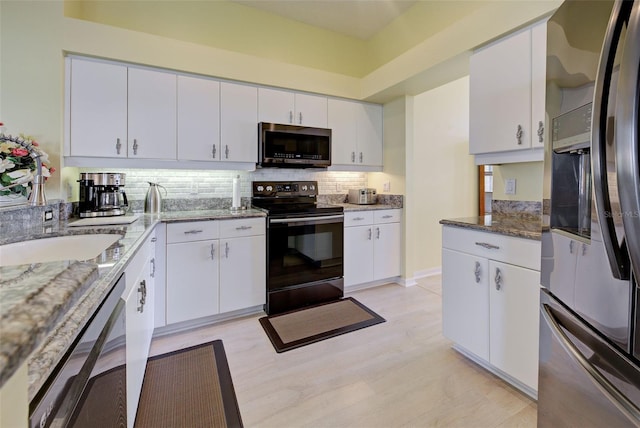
226,151
387,216
226,250
540,132
488,246
571,245
584,249
118,146
353,157
300,118
360,157
358,218
153,267
477,272
377,233
498,279
193,231
213,252
213,151
154,239
142,289
290,116
369,238
135,146
519,134
244,227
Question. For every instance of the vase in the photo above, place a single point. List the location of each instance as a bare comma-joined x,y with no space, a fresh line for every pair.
12,199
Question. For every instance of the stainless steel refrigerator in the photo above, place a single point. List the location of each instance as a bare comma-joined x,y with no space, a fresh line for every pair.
590,314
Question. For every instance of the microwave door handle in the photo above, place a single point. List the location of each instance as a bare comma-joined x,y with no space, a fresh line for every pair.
603,384
627,162
617,260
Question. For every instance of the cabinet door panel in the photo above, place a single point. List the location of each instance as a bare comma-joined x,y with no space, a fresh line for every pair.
538,83
500,95
192,280
238,122
386,250
152,114
242,273
311,110
514,301
344,133
198,119
369,122
358,255
276,106
465,301
98,109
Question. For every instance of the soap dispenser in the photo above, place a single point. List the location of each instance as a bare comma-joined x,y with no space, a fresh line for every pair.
153,200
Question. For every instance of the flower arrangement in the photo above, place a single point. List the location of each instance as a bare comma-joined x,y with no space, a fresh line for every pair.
17,166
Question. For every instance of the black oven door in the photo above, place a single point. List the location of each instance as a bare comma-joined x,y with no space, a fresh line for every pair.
304,261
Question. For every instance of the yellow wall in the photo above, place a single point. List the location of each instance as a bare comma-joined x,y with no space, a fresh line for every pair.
528,177
444,179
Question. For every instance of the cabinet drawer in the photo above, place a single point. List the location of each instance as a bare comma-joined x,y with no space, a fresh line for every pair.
517,251
387,216
243,227
191,231
358,218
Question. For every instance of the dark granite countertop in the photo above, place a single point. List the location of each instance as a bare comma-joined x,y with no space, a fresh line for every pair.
518,225
44,305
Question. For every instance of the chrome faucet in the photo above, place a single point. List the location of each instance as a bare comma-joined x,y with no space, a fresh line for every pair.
37,197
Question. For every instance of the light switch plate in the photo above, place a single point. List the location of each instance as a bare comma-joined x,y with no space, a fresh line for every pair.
510,186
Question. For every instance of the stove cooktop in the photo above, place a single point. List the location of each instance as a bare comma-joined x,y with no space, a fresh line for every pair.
290,198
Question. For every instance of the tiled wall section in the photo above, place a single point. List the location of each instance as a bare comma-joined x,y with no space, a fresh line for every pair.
217,184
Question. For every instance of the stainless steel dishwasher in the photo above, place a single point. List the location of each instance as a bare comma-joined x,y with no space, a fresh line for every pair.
88,387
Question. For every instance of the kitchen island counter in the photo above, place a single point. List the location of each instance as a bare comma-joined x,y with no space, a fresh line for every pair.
45,305
518,225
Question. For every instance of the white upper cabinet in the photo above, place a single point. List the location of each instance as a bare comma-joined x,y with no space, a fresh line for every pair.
98,108
238,122
198,119
152,114
278,106
507,93
356,133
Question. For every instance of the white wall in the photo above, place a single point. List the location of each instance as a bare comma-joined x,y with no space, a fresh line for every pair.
443,176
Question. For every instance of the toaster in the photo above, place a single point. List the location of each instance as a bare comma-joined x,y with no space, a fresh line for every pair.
364,196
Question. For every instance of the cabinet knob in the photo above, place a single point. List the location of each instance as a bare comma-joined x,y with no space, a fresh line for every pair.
213,252
135,146
377,233
571,244
226,151
290,116
519,134
361,157
477,272
300,118
226,250
353,157
118,146
498,279
369,238
213,151
540,132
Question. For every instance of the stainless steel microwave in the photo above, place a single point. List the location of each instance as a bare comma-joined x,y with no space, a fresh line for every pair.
293,146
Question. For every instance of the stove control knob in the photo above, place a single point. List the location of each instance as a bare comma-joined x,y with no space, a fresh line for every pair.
269,188
260,188
304,188
312,187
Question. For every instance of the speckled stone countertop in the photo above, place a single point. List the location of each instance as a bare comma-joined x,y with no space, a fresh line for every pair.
45,305
518,225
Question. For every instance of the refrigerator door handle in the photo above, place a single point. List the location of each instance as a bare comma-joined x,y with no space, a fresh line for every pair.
626,132
617,259
607,388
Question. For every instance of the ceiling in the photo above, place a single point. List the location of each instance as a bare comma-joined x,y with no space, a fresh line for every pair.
356,18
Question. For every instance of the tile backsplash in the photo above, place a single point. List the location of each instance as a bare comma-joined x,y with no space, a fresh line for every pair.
197,184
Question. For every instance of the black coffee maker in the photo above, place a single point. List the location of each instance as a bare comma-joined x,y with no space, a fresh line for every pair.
102,194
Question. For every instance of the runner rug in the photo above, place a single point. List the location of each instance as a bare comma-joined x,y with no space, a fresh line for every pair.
302,327
189,388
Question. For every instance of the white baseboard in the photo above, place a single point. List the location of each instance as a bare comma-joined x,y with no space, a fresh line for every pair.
425,273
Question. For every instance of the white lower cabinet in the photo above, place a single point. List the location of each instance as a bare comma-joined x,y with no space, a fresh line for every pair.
372,245
139,322
214,267
490,300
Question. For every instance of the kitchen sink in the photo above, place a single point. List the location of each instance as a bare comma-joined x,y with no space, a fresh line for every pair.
70,247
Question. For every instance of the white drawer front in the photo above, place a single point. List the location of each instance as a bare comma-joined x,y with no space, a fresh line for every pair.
242,227
358,218
387,216
192,231
508,249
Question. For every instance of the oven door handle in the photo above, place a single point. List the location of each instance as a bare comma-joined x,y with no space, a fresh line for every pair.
306,219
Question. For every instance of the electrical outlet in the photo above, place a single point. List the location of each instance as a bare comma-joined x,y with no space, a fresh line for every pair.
386,186
47,215
510,186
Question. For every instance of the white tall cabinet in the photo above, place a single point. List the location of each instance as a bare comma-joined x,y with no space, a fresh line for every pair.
238,122
490,301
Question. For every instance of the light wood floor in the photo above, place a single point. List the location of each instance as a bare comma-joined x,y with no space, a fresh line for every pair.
401,373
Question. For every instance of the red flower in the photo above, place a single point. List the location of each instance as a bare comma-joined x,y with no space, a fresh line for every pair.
18,151
52,170
35,143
